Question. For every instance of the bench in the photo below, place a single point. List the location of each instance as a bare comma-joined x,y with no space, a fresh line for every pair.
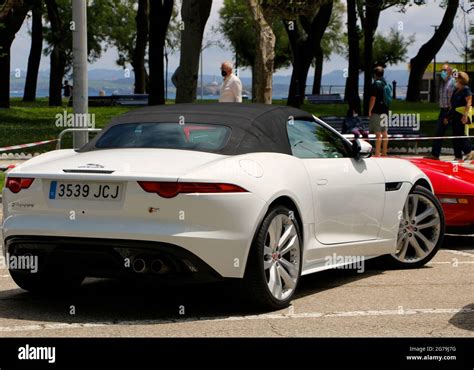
131,100
325,99
395,132
113,100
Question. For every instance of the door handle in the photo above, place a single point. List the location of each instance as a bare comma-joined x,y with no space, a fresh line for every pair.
322,182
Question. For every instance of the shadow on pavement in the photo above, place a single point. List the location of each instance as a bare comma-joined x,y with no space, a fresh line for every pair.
110,301
464,320
107,300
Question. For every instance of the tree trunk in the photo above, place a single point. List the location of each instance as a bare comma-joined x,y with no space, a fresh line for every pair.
58,66
352,82
297,61
160,15
194,14
318,70
5,45
264,54
372,14
138,58
254,92
58,55
12,15
34,58
305,49
427,52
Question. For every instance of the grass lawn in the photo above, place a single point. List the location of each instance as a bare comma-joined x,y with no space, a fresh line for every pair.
30,122
2,180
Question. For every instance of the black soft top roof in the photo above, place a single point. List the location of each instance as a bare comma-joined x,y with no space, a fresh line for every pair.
255,127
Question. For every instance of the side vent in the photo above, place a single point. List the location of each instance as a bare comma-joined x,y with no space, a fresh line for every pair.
393,186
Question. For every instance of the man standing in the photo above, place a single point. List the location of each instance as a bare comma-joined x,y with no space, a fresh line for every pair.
448,84
378,106
231,89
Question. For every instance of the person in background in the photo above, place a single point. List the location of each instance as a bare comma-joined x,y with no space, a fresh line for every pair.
377,107
231,89
446,89
352,124
461,103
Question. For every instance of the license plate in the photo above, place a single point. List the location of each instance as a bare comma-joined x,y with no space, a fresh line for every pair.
85,191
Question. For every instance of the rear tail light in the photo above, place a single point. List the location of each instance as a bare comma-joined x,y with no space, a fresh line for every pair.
16,184
172,189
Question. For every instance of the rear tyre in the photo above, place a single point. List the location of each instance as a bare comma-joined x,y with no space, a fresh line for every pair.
421,230
46,282
274,264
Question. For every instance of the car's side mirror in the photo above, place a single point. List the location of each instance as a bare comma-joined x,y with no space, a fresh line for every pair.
361,149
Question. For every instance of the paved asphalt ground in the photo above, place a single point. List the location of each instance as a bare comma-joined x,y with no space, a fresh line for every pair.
434,301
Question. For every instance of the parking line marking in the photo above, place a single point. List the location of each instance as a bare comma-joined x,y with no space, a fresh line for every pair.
304,315
450,262
465,254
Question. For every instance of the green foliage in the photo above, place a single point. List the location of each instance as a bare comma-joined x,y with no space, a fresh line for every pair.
122,31
290,9
389,50
238,27
334,40
99,15
393,48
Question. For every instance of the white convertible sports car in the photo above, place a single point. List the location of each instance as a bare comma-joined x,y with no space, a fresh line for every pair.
254,192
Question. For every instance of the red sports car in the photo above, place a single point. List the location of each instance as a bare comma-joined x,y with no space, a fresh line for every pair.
453,184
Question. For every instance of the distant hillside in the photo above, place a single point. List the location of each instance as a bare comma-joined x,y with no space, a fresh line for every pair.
336,77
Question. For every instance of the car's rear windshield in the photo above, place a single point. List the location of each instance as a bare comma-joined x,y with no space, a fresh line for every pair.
190,136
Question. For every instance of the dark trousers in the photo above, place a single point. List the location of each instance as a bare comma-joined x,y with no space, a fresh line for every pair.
440,132
461,145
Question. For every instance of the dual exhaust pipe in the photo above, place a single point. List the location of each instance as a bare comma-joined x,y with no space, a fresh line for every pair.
156,266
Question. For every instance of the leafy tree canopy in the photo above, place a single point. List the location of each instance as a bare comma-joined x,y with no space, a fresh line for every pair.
239,29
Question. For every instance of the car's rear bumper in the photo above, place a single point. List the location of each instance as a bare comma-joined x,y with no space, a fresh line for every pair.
111,258
218,230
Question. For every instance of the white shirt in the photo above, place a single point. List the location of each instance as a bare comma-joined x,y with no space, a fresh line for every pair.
231,90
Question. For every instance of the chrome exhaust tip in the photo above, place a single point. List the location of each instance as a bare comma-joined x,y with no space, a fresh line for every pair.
157,266
139,265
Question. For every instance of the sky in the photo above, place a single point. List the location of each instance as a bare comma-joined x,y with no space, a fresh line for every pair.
418,21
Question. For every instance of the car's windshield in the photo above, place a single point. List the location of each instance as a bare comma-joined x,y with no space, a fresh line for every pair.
193,136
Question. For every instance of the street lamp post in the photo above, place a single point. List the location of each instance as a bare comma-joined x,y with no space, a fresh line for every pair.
80,78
